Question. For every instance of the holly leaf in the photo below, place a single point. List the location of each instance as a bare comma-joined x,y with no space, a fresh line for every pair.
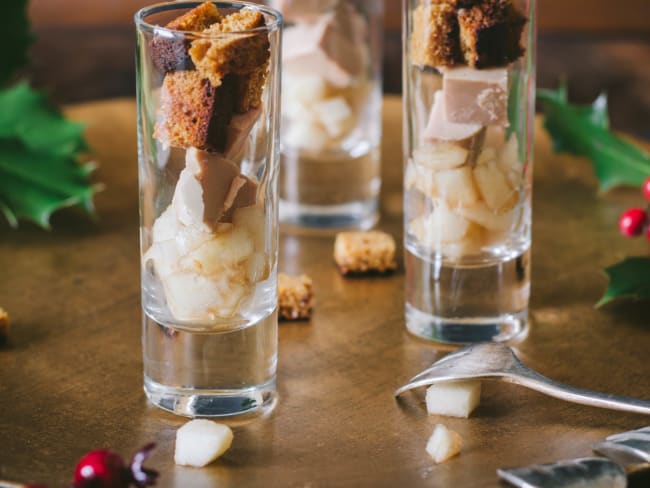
584,131
628,279
15,38
39,153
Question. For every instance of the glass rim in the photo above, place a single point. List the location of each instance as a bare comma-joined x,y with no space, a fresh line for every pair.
144,26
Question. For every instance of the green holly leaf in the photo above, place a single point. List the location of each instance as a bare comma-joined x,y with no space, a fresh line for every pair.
628,279
39,152
15,38
584,131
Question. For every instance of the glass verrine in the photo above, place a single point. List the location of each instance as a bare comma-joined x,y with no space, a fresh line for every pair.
208,143
469,86
331,113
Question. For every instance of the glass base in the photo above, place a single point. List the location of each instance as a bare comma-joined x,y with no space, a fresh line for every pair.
244,404
362,215
503,328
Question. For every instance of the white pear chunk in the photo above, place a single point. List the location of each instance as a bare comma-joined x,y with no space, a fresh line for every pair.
508,155
226,249
487,156
303,135
191,296
334,114
188,199
439,227
481,215
443,444
200,441
453,398
457,187
166,226
420,178
494,188
304,88
440,156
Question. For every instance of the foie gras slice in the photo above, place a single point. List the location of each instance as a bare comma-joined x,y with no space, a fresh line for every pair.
210,188
476,96
302,10
322,48
238,130
440,132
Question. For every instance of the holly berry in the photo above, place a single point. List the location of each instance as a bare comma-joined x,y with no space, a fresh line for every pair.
106,469
633,222
102,469
646,188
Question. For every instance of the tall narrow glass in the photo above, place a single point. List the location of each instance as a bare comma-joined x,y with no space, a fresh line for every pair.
331,113
469,89
208,143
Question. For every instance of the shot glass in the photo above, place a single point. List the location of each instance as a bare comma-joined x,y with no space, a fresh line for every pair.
331,113
469,86
208,145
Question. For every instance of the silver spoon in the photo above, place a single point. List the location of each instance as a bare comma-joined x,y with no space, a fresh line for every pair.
497,361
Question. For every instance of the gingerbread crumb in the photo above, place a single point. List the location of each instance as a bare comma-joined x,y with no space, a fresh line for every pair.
359,252
295,297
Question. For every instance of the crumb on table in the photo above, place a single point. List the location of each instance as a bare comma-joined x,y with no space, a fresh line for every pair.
357,252
295,297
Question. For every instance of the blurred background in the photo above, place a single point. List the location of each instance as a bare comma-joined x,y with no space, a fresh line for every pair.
84,51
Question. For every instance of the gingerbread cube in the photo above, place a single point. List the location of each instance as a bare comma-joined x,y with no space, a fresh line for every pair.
360,252
295,297
490,33
435,36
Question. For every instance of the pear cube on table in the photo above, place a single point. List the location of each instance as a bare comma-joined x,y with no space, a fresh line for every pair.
453,398
443,444
200,441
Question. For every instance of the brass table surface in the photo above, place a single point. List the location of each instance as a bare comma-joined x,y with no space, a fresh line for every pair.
71,376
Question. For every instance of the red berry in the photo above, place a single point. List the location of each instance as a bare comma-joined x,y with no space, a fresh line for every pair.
646,188
101,469
632,222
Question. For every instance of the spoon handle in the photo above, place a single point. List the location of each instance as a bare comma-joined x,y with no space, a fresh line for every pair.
535,381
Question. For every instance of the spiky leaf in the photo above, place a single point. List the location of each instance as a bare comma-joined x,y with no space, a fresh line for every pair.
584,131
629,278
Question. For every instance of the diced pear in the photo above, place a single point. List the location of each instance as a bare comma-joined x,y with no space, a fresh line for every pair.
495,136
457,187
188,199
443,444
252,218
195,297
296,112
508,155
223,250
440,156
421,178
452,235
453,398
494,188
487,156
440,226
257,267
302,135
201,441
304,88
481,215
166,226
471,244
334,114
